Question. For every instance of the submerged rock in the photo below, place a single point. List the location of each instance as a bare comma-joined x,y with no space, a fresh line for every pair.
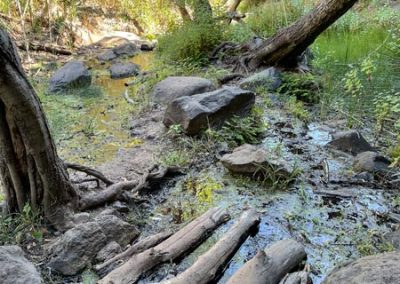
252,160
172,88
370,162
375,269
127,49
15,268
74,74
75,249
351,142
124,70
269,78
107,56
199,112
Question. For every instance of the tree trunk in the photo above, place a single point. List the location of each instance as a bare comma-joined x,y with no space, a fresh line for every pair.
270,265
30,170
284,47
180,4
233,5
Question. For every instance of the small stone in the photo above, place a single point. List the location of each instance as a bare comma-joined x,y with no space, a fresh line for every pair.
124,70
350,141
120,207
270,79
370,162
107,56
81,218
128,49
117,230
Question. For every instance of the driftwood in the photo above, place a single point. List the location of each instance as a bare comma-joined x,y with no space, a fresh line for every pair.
139,247
46,48
174,247
299,277
89,171
205,269
270,265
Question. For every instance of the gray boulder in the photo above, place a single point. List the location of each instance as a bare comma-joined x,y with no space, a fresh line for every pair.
198,112
375,269
75,249
350,141
117,230
73,74
172,88
127,49
109,251
370,162
107,56
252,160
124,70
15,268
269,78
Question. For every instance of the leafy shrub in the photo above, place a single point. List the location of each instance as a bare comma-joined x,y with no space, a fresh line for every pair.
304,87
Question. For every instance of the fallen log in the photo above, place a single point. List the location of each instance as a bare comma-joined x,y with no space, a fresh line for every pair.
174,247
46,48
205,269
139,247
270,265
299,277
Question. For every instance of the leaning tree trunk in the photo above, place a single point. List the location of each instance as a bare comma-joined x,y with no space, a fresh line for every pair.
30,170
284,47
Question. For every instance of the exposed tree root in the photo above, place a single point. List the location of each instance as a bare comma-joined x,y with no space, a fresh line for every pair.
205,269
174,247
299,277
270,265
139,247
89,171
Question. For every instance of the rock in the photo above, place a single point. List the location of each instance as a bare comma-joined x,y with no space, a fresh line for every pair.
172,88
374,269
127,49
117,230
120,207
107,56
124,70
82,217
75,249
370,162
107,252
15,268
74,74
147,46
250,160
350,142
198,112
269,78
393,238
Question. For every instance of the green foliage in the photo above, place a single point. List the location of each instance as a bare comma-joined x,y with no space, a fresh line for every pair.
297,108
177,158
387,111
304,87
240,130
190,42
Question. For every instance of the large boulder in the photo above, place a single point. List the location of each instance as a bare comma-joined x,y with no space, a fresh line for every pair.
270,79
371,162
117,230
124,70
198,112
375,269
75,249
172,88
350,141
15,268
127,49
107,55
74,74
253,160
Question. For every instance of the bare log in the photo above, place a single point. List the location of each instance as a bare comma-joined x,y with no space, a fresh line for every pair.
46,48
175,246
270,265
299,277
89,171
139,247
205,269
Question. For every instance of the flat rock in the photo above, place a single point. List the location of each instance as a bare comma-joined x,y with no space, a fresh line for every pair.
107,56
75,249
375,269
350,141
73,74
371,162
109,251
172,88
212,109
127,49
393,238
270,79
124,70
117,230
15,268
250,160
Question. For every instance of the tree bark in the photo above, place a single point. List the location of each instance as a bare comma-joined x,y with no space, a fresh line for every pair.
169,250
30,170
270,265
284,47
207,266
232,9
